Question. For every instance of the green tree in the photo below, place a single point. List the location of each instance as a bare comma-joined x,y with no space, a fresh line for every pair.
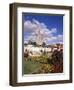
43,44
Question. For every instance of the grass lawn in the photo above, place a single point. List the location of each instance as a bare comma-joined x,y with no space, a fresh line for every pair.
36,65
42,64
31,66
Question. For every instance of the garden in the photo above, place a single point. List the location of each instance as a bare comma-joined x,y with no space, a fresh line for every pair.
46,63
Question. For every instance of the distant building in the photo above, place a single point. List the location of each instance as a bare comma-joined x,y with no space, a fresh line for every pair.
36,51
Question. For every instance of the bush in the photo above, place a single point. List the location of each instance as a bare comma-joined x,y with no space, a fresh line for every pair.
46,68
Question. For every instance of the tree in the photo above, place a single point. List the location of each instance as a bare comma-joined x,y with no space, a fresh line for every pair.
30,42
34,43
43,44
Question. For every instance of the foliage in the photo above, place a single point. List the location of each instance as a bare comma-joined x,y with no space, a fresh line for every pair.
43,44
46,63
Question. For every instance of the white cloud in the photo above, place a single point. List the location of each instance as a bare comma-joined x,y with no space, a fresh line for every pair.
60,37
53,30
55,39
29,26
36,22
32,27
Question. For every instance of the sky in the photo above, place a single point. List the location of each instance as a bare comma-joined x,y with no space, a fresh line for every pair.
50,26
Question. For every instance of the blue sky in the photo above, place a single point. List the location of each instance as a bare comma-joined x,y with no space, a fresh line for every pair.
51,25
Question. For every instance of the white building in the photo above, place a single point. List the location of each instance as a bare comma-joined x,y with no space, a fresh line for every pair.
36,51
